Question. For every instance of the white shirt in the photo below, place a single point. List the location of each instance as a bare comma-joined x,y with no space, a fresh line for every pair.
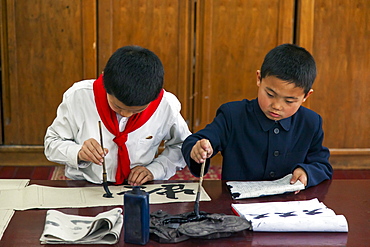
77,121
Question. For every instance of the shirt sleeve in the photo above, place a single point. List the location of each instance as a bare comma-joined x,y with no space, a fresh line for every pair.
59,143
317,164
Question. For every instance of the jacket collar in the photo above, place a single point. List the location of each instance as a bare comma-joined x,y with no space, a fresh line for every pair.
266,123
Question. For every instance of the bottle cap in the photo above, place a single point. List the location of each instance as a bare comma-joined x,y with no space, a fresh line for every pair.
136,190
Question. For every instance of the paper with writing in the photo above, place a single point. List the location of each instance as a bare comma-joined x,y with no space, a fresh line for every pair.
250,189
291,216
37,196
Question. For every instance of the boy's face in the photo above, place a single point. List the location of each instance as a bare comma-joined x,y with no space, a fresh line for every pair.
279,99
122,109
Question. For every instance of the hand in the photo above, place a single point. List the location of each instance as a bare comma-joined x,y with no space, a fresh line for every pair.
139,175
299,174
201,151
91,151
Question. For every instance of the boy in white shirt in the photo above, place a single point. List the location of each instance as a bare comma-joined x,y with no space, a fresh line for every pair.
136,115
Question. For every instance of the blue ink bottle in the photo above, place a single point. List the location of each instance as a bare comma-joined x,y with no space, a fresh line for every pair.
136,216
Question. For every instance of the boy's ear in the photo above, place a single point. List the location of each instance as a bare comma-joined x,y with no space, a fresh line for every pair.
258,77
308,95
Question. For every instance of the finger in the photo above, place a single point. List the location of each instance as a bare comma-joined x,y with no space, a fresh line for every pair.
193,157
139,175
301,178
205,144
96,148
95,152
197,156
293,179
207,148
194,154
132,177
92,151
199,152
86,155
141,179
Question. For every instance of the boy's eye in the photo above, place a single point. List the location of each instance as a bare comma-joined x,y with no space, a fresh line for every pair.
269,95
289,102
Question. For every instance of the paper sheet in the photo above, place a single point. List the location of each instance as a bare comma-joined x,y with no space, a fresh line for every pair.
37,196
10,184
292,216
250,189
5,217
7,214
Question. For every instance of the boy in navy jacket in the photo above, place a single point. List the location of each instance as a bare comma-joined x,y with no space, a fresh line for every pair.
272,135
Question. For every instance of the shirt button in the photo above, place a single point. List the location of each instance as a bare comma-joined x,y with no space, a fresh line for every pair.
276,131
276,153
272,174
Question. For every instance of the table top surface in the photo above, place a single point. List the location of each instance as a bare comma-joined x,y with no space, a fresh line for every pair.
350,198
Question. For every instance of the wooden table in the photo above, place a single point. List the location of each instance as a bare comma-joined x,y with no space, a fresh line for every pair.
348,197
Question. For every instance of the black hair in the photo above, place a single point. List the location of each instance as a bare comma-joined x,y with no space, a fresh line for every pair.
290,63
134,75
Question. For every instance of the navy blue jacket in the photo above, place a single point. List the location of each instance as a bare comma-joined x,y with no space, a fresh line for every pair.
257,148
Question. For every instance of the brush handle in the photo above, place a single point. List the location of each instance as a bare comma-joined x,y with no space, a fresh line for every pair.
101,144
196,205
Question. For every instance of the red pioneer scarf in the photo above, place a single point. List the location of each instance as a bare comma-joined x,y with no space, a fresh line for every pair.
109,118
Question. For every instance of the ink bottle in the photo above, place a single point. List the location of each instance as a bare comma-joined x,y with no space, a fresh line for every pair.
136,216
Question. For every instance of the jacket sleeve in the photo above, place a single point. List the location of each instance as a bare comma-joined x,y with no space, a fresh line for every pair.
217,132
317,164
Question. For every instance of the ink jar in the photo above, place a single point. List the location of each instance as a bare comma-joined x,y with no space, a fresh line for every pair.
136,216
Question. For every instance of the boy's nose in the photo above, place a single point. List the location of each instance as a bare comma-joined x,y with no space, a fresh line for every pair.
276,105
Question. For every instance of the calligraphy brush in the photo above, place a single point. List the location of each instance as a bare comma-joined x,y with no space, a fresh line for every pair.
196,206
108,194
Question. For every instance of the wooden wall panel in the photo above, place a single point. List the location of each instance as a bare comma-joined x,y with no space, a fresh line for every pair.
163,26
338,35
340,44
232,38
210,49
49,45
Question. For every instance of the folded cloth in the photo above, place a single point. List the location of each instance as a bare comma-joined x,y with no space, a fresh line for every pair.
166,228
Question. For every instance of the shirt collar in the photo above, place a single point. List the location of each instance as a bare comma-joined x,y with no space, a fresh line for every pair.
267,124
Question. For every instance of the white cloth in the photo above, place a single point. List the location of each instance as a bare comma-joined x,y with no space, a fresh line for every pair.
77,121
